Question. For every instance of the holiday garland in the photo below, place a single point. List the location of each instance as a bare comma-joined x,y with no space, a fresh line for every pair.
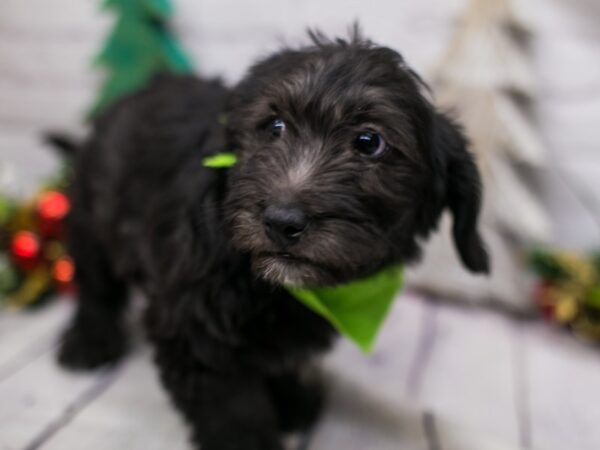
568,292
33,260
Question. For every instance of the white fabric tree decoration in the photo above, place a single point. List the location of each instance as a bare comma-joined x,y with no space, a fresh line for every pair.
486,79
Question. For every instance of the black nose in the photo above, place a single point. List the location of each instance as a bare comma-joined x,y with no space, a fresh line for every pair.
285,224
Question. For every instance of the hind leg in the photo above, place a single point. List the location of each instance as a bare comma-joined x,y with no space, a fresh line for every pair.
96,335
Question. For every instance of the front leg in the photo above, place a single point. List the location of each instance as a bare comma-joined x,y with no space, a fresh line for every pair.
226,410
298,399
96,335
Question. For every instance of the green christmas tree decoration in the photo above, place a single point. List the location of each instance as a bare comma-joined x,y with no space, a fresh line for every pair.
139,46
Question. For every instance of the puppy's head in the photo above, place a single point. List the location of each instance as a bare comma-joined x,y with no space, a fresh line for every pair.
343,166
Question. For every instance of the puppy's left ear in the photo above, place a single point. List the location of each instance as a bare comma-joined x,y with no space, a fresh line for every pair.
461,186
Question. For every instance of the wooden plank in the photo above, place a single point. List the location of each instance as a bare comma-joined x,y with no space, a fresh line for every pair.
31,162
564,391
471,374
359,421
37,107
36,397
453,436
134,413
25,335
369,405
73,15
467,382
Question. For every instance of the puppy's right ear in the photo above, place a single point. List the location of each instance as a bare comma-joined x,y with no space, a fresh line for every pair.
461,188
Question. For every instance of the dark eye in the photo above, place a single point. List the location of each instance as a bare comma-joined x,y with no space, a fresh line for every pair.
369,144
276,127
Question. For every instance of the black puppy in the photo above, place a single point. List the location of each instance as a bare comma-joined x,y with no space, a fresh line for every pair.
343,166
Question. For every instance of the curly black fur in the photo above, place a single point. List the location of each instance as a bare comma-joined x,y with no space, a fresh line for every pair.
230,342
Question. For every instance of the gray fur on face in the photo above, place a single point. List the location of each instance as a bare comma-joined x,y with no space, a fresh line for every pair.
363,212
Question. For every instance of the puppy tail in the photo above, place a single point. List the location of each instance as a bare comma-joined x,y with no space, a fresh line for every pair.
66,145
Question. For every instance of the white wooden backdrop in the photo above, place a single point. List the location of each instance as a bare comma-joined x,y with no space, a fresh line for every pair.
46,81
442,378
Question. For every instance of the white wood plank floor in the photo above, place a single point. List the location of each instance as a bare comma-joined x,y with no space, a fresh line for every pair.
441,378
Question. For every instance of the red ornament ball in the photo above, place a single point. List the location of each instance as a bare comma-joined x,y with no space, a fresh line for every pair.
25,249
544,298
63,272
52,208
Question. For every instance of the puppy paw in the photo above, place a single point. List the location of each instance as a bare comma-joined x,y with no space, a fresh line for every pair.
84,349
241,441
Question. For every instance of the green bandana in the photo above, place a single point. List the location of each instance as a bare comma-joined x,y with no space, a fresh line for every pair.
356,309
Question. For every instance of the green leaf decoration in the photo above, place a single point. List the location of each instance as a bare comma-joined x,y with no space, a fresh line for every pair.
595,258
220,161
357,309
8,276
547,265
593,297
139,46
7,209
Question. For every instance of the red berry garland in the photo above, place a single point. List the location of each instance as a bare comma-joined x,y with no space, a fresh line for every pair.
52,208
568,292
35,262
25,250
